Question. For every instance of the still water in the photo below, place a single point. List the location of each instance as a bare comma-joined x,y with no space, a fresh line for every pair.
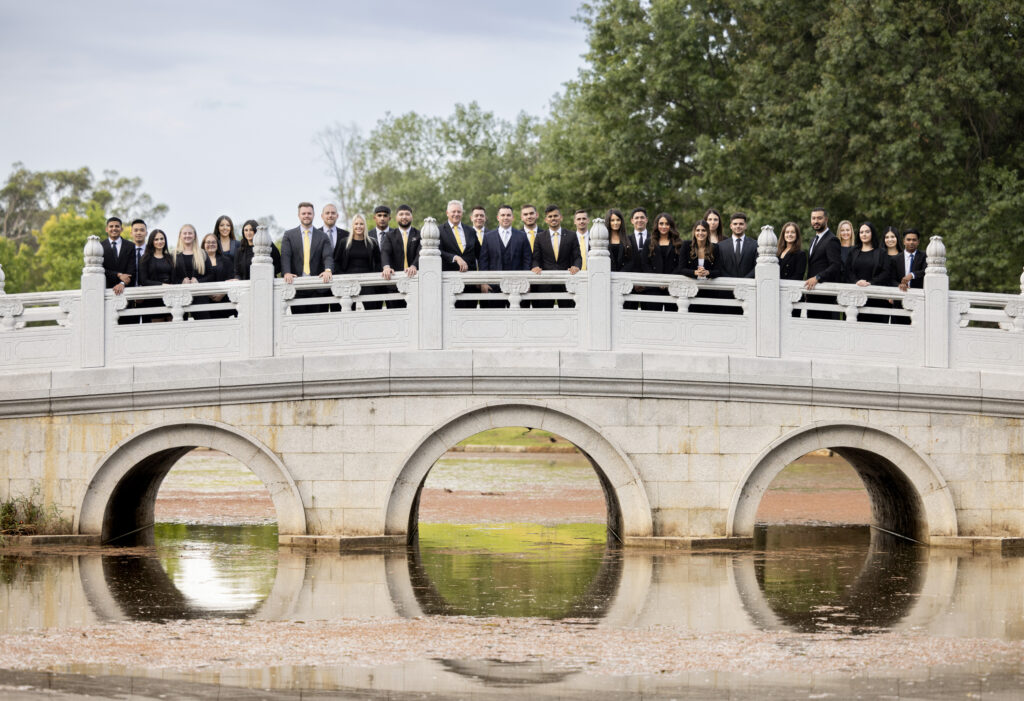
802,581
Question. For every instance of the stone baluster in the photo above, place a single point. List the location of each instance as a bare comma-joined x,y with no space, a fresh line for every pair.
936,306
599,282
430,311
766,276
92,329
262,311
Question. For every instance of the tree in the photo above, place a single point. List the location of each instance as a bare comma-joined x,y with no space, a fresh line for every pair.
61,243
343,147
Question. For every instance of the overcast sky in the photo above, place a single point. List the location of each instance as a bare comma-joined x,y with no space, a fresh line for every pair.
215,105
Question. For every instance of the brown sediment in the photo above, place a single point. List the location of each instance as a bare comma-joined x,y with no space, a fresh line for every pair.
601,650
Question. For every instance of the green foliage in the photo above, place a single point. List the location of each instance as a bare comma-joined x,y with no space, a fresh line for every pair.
46,217
61,241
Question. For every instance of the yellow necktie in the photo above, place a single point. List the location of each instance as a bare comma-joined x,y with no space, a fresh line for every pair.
457,230
405,249
554,244
583,250
305,252
532,235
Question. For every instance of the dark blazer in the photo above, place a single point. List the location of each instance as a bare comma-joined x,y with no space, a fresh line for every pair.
919,267
156,271
222,272
184,267
825,262
123,262
515,256
243,261
793,266
339,234
658,262
731,266
450,247
391,249
372,233
623,257
568,251
874,266
320,253
688,267
341,258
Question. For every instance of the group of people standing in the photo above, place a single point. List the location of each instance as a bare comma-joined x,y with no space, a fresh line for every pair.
864,258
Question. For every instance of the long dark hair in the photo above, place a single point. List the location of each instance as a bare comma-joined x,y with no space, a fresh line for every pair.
244,242
899,241
874,235
709,247
151,249
216,227
624,238
673,234
782,238
712,210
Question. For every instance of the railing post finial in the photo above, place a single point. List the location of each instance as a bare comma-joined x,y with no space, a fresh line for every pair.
936,253
767,246
93,253
598,239
430,239
261,244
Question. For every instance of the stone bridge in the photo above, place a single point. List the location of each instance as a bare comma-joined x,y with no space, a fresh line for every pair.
686,416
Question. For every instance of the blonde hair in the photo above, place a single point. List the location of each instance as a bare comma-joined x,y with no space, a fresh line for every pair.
853,232
198,254
366,234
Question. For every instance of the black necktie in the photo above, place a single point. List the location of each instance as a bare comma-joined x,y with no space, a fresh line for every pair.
138,259
737,248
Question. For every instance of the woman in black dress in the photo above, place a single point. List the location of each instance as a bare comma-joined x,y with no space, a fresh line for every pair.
358,254
227,243
792,257
698,259
188,258
893,248
869,266
155,268
219,268
661,256
620,244
245,253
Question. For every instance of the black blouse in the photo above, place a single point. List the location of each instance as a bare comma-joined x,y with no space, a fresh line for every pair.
155,271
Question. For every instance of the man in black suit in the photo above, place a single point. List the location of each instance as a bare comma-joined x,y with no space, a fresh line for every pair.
504,248
382,217
737,255
910,266
638,218
306,251
556,249
582,221
459,246
400,250
137,249
824,262
117,257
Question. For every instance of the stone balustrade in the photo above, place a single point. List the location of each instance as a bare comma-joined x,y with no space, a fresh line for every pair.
763,317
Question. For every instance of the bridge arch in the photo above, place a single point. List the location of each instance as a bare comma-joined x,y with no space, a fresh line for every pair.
908,494
121,495
629,511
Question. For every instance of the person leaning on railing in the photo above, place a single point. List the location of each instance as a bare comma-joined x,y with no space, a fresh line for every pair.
698,258
155,268
661,256
621,246
246,252
219,268
868,265
358,253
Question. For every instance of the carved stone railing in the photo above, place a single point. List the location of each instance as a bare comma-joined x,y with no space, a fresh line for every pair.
594,310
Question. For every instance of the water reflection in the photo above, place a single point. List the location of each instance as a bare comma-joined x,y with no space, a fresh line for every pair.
816,580
836,580
514,570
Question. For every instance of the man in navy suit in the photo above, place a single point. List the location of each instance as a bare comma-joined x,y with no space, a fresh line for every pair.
556,249
737,256
306,251
459,246
118,257
504,248
824,262
911,264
